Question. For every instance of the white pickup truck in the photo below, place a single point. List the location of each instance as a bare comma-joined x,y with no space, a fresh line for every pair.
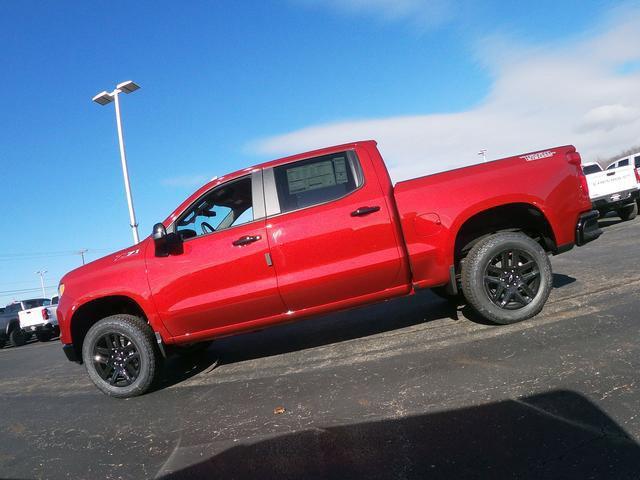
40,319
614,190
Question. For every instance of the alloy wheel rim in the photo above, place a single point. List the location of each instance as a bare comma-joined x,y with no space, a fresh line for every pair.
512,279
116,359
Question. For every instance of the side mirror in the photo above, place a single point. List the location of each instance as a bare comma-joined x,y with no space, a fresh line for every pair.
159,232
166,243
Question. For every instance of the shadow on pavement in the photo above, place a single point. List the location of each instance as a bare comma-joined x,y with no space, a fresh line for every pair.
308,333
313,332
334,328
561,280
559,434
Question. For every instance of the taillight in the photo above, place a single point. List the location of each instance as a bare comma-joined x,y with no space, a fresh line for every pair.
637,175
45,314
574,159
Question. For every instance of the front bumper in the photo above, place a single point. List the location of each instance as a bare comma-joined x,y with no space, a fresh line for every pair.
70,351
587,228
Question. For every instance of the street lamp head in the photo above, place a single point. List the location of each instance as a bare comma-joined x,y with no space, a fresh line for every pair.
103,98
128,86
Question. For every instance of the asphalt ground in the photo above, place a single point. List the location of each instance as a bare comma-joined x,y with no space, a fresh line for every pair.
412,388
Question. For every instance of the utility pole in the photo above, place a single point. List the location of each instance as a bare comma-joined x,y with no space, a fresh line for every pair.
81,253
41,273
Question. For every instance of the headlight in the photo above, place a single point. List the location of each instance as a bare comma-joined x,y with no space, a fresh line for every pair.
60,290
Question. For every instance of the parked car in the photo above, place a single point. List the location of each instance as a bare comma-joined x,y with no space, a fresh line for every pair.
614,190
320,232
40,319
10,323
633,160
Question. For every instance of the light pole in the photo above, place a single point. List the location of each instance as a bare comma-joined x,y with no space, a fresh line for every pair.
483,154
41,273
104,98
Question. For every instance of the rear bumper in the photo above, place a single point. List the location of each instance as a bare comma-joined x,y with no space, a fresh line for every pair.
615,201
71,353
587,228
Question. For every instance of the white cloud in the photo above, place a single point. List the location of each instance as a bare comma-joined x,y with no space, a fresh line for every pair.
421,13
542,96
185,181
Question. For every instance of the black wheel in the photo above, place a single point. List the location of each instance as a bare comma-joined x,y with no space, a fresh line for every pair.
507,278
120,357
443,293
629,212
44,336
18,337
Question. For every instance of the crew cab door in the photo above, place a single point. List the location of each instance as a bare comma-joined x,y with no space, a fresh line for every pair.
221,274
330,232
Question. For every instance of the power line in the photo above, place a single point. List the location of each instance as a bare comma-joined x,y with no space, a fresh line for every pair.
25,290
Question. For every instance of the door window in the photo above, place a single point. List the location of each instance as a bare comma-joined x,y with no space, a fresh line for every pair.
623,163
227,205
316,180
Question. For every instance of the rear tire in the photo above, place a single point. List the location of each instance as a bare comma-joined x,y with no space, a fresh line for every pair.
507,278
629,212
18,337
44,336
120,356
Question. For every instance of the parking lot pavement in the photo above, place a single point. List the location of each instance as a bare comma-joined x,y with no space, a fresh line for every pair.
407,389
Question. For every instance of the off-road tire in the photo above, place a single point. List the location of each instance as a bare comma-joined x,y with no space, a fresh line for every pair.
44,336
628,212
18,337
474,271
138,332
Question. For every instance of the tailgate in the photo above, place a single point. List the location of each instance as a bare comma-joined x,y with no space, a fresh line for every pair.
612,181
33,316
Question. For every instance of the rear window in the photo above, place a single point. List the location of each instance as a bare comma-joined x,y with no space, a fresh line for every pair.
36,302
316,180
589,169
637,161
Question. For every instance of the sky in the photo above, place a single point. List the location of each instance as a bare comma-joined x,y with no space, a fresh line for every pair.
225,85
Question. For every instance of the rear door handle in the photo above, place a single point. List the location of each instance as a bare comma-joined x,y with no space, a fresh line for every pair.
246,240
364,211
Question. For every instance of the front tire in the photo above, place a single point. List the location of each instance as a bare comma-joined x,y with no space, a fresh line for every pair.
120,356
507,278
629,212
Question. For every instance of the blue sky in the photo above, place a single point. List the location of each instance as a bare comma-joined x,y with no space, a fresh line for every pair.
227,84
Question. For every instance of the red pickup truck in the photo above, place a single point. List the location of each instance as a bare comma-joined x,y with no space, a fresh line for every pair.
319,232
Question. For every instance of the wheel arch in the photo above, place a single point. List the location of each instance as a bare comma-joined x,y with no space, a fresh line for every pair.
518,216
91,312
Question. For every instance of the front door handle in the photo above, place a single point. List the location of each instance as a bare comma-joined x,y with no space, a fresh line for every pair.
246,240
364,211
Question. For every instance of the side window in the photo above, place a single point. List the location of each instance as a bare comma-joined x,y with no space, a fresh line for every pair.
612,166
225,206
316,180
623,163
637,161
